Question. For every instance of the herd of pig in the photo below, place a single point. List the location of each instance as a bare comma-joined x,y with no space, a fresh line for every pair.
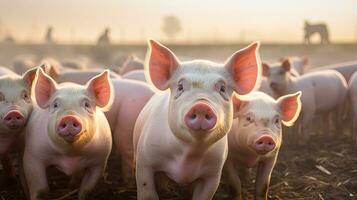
171,120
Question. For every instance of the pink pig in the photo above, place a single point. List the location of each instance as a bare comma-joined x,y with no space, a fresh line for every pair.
181,132
68,130
256,136
324,93
138,75
346,68
15,110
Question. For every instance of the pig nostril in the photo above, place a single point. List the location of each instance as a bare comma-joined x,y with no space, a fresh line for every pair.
75,125
18,118
260,142
194,116
63,125
208,117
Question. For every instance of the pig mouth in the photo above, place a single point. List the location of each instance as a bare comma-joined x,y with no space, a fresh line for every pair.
71,138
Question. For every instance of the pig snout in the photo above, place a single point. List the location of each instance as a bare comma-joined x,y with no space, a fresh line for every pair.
68,127
264,144
200,117
14,119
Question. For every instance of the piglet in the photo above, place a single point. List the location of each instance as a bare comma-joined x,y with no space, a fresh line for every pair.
15,110
181,132
68,130
256,137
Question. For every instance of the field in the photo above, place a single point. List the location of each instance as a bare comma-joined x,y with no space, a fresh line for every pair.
322,169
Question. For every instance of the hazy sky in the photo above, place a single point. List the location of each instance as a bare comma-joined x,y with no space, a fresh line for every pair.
202,20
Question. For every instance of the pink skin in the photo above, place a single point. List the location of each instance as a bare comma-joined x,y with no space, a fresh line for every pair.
75,76
300,64
324,93
183,130
138,75
130,64
200,117
15,109
346,69
69,127
68,130
255,138
352,90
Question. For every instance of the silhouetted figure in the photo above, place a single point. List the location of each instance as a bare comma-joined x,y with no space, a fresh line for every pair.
103,39
8,40
321,29
48,36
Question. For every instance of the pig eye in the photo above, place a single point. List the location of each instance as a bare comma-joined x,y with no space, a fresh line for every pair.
180,87
25,96
55,105
249,119
276,121
87,105
222,89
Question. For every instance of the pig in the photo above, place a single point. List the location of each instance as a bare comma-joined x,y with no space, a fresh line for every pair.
138,75
264,87
130,98
352,91
15,110
22,64
300,64
75,76
131,63
68,130
346,68
324,93
181,131
256,137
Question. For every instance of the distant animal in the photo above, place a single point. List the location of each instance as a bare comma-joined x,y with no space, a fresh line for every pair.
321,29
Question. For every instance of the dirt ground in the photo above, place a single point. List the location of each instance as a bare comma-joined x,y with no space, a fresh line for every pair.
322,169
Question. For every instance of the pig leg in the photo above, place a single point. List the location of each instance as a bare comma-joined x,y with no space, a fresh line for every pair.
145,182
264,171
307,120
76,179
89,181
234,179
35,174
206,187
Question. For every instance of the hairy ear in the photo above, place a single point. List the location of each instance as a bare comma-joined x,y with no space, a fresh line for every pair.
29,76
161,64
290,107
45,86
265,69
245,69
100,88
286,64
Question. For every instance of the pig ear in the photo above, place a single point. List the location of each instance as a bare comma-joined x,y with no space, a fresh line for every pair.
100,88
45,86
50,70
290,107
29,76
265,69
161,63
245,68
286,64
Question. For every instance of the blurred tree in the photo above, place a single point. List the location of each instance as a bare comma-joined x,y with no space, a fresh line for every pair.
171,26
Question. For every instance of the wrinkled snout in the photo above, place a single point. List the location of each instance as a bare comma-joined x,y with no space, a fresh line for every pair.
264,144
200,117
14,119
69,127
